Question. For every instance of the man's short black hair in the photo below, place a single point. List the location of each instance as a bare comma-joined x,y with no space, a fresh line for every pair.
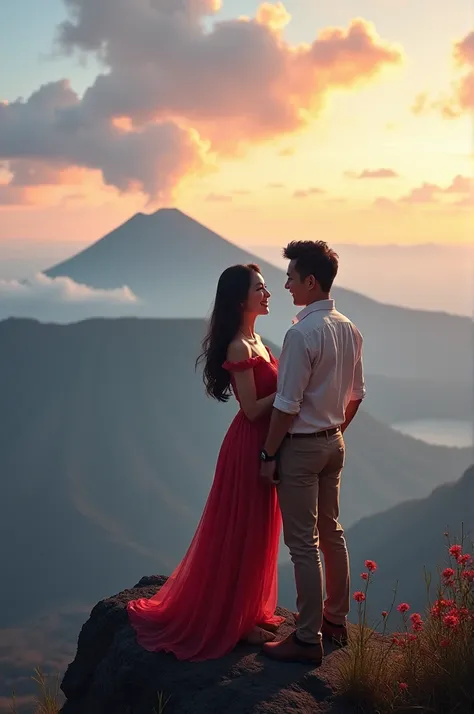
313,258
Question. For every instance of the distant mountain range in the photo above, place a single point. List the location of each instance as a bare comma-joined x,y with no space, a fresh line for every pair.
404,541
172,264
107,452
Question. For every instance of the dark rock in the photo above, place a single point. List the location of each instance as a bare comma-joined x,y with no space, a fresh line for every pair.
112,674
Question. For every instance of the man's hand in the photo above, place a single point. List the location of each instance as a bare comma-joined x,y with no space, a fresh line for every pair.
268,472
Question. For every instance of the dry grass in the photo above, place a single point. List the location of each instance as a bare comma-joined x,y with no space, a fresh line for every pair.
49,697
428,666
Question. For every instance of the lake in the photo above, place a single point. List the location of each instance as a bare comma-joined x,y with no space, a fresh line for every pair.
444,432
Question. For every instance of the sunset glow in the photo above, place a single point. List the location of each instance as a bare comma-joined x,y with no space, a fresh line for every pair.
264,121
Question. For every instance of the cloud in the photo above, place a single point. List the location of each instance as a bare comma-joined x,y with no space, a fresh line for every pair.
62,300
460,98
219,198
385,204
175,91
461,187
426,193
305,193
444,105
372,174
274,16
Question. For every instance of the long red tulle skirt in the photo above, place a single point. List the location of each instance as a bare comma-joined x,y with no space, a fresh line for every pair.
227,581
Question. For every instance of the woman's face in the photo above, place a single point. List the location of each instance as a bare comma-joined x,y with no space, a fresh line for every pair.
258,296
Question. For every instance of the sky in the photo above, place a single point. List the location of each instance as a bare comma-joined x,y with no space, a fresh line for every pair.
350,121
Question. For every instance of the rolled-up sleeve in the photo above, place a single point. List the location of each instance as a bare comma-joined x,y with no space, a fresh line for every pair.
294,372
358,386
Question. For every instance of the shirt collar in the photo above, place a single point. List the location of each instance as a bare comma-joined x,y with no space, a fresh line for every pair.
313,307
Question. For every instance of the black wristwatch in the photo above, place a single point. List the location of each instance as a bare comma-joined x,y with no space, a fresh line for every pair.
264,456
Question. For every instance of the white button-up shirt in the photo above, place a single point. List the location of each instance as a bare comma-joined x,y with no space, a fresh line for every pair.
320,369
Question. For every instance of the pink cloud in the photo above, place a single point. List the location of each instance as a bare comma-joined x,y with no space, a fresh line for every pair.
372,174
461,186
174,91
460,99
385,204
426,193
305,193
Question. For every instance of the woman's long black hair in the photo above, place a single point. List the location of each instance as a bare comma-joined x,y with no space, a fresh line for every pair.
232,292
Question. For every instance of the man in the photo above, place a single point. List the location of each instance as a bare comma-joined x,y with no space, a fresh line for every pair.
320,388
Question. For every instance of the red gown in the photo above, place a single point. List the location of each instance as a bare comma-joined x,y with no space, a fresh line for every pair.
227,581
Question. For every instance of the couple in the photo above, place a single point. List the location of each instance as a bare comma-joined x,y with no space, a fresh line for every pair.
281,457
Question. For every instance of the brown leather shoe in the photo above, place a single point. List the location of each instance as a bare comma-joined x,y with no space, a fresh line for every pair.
337,634
290,650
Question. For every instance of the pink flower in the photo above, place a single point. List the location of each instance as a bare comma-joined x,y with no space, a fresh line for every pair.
359,596
403,686
403,607
455,551
371,565
447,573
364,576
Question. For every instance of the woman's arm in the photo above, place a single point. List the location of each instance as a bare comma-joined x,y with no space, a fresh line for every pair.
252,407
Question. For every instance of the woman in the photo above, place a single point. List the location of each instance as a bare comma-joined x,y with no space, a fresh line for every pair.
225,588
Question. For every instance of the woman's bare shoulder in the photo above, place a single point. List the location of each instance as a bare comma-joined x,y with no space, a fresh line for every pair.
238,350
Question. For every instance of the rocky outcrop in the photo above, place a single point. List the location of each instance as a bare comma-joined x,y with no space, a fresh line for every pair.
112,674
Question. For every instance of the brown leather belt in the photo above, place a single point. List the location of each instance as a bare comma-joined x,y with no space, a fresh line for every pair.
325,432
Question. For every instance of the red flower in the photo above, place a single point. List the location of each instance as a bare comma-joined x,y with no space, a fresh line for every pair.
359,596
464,559
444,642
455,551
384,614
403,607
468,575
364,576
448,573
416,622
371,565
403,686
411,637
451,621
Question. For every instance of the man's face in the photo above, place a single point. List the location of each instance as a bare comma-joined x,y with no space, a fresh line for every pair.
298,289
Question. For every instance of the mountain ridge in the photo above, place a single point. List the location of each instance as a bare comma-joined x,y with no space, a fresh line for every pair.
172,263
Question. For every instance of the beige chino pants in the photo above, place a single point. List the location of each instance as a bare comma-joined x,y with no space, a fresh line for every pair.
309,470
